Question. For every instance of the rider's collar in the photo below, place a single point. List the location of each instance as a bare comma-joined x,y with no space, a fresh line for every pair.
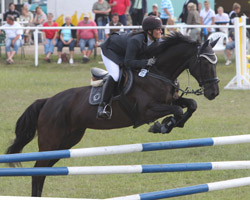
149,42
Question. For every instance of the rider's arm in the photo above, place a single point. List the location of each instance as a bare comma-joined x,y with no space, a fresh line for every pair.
130,60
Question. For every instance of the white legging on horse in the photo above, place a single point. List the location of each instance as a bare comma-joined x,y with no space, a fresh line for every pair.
113,68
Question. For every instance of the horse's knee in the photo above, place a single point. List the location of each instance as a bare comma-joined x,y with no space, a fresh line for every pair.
178,111
192,106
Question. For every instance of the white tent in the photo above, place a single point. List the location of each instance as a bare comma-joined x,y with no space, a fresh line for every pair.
68,7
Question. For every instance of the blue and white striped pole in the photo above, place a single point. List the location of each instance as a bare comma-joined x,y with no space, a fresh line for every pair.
40,198
124,169
130,148
221,185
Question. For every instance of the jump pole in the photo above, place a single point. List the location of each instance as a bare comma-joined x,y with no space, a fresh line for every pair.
35,198
208,187
120,149
242,78
124,169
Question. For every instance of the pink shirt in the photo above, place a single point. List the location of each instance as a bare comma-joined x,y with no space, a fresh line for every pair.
120,6
87,33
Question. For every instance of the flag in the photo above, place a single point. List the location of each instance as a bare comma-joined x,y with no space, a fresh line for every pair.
59,20
74,19
90,16
81,17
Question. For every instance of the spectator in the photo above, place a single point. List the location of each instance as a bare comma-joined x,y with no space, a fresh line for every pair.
234,13
114,22
167,11
101,9
230,47
13,38
207,18
138,10
199,7
170,22
222,19
87,37
40,17
27,17
155,11
184,14
121,7
193,18
49,37
11,12
66,38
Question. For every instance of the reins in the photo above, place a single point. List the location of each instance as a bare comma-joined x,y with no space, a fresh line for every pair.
188,90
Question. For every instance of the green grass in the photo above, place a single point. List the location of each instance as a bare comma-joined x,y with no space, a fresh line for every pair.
228,114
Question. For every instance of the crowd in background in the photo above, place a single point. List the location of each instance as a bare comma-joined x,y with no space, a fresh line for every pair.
112,13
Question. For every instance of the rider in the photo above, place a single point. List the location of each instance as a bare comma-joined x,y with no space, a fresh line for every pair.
127,49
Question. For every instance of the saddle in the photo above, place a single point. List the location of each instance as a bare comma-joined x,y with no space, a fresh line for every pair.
99,77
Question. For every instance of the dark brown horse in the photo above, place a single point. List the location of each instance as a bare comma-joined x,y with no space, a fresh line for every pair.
61,120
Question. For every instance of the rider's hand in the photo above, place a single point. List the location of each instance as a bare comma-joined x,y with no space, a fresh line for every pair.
151,62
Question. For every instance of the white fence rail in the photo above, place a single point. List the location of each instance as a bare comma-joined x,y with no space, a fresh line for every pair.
181,27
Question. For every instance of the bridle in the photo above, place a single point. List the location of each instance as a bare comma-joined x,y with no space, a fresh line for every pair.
212,58
208,56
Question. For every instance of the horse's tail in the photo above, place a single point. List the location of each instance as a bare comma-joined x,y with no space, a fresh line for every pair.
26,126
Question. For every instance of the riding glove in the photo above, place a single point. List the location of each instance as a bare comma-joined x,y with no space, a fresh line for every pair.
151,61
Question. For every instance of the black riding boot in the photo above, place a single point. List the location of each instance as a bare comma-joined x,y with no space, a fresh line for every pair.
104,109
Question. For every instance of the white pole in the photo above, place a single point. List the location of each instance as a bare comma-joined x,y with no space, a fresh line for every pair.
237,51
244,46
36,47
3,8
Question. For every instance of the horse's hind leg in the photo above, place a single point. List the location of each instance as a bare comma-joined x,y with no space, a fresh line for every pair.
38,181
66,142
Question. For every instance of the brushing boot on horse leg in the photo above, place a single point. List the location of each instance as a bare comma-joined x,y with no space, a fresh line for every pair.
104,110
170,122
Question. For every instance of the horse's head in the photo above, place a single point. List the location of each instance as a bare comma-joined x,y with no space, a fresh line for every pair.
204,70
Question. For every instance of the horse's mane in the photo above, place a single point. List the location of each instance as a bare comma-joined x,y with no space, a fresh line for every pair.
174,38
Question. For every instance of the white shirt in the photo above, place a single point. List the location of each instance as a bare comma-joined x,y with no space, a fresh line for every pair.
107,30
222,18
13,32
207,17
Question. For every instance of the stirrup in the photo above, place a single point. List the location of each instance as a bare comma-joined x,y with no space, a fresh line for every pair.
106,112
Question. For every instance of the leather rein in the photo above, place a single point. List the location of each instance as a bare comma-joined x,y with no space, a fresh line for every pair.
202,82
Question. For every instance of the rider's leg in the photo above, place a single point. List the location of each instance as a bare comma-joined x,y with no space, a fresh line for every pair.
103,111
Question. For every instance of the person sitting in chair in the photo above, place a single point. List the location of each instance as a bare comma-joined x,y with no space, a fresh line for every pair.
13,38
126,48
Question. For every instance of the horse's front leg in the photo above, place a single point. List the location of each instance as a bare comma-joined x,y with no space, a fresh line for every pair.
191,106
160,110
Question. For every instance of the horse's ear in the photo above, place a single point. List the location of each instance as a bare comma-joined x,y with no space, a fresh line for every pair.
204,46
214,42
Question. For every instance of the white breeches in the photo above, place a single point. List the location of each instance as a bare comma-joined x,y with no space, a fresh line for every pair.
112,67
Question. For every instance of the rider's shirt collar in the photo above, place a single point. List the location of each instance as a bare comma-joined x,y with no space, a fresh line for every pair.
149,42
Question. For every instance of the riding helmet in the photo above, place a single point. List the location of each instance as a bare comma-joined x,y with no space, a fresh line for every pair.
151,22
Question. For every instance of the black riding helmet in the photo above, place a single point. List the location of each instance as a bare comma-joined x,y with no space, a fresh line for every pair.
151,23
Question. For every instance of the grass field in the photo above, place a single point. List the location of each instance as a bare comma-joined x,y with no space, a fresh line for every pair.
228,114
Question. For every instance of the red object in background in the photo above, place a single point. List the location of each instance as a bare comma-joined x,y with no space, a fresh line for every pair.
120,6
50,33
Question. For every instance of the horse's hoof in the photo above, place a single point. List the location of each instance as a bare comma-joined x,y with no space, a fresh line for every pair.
155,128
